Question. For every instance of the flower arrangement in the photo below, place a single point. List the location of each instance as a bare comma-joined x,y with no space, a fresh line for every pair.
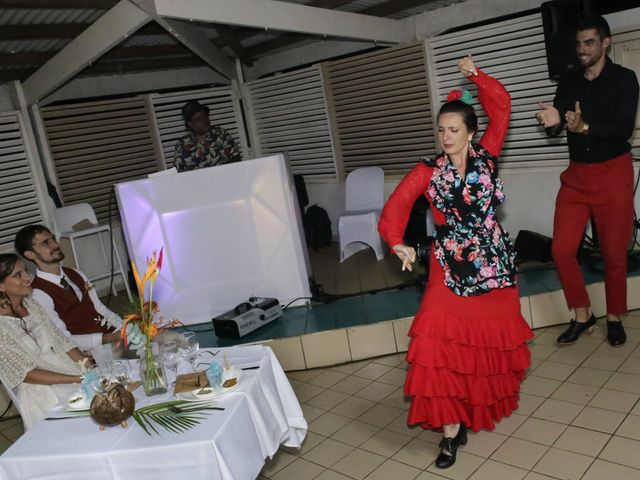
143,316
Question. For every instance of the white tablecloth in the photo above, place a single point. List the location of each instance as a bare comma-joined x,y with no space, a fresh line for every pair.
261,414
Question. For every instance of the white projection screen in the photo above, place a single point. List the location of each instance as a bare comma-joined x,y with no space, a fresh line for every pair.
229,232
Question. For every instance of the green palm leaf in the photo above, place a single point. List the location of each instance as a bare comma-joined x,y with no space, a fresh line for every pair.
175,416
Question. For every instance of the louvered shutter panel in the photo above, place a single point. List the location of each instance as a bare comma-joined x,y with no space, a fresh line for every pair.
96,144
20,202
167,108
512,51
291,116
381,105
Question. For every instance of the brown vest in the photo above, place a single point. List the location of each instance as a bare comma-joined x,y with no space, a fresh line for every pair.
80,316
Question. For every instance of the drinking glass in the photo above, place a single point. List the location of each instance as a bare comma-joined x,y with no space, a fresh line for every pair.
121,370
103,379
190,348
171,357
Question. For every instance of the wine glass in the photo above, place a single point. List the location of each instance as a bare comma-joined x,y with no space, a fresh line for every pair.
103,379
190,348
121,370
171,357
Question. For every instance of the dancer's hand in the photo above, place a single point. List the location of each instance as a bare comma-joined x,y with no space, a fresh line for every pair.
549,116
406,254
467,67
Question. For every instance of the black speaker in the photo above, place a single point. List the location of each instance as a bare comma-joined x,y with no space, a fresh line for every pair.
532,246
560,22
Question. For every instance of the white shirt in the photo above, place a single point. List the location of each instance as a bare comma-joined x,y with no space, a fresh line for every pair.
86,341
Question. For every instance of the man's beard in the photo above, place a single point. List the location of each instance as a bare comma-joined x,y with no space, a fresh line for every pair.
591,60
52,259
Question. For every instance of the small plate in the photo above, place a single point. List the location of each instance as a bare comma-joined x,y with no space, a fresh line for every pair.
192,396
204,393
77,401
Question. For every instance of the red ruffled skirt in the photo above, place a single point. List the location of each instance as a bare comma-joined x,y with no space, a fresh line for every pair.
467,356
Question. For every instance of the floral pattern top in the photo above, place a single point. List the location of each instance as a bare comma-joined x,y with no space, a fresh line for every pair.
217,148
472,248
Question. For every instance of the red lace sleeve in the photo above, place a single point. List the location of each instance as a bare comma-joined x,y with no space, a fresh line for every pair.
496,102
395,214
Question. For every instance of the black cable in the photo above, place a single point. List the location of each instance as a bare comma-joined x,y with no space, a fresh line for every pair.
295,300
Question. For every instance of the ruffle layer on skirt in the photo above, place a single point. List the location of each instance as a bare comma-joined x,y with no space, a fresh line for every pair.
465,368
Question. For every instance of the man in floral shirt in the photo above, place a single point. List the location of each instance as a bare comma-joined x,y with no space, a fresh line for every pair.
205,145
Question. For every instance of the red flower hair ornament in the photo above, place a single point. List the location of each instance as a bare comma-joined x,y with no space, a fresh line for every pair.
463,95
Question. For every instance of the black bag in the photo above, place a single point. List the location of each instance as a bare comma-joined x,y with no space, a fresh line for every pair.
317,227
532,246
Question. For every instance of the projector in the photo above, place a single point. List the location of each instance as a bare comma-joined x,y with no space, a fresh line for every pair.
247,317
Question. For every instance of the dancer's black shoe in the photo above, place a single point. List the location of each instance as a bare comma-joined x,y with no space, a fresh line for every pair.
571,334
449,448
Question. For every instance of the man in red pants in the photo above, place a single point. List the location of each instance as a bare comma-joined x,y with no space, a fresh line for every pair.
598,106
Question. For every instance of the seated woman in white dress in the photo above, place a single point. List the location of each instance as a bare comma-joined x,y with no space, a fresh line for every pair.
37,362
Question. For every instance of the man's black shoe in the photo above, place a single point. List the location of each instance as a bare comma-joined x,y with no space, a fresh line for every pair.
571,334
616,336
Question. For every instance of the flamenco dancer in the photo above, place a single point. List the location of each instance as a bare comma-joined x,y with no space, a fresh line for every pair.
468,351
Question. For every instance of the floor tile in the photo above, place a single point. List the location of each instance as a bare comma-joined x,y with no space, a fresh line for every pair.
300,469
537,476
519,453
353,407
328,452
542,387
349,368
558,411
600,470
310,412
484,443
391,360
306,392
589,376
625,382
429,476
386,443
358,463
327,378
529,403
492,470
327,399
614,400
4,444
355,433
623,451
540,431
394,470
381,415
598,419
630,428
331,475
631,364
305,375
372,371
394,377
604,362
376,391
575,393
541,352
417,453
581,440
351,384
562,464
399,425
554,370
280,460
569,355
508,425
397,399
311,440
328,424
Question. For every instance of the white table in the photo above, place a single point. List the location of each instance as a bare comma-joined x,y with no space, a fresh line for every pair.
260,415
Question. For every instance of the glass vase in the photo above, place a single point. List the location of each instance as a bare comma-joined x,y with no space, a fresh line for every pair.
152,373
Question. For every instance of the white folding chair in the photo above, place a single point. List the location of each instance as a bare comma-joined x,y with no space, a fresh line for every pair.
65,218
358,226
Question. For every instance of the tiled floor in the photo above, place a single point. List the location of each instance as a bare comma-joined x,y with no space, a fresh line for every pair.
579,418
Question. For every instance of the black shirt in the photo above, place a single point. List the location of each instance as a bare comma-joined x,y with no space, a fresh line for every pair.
608,105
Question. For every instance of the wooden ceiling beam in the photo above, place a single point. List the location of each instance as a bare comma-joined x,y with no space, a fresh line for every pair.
392,6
